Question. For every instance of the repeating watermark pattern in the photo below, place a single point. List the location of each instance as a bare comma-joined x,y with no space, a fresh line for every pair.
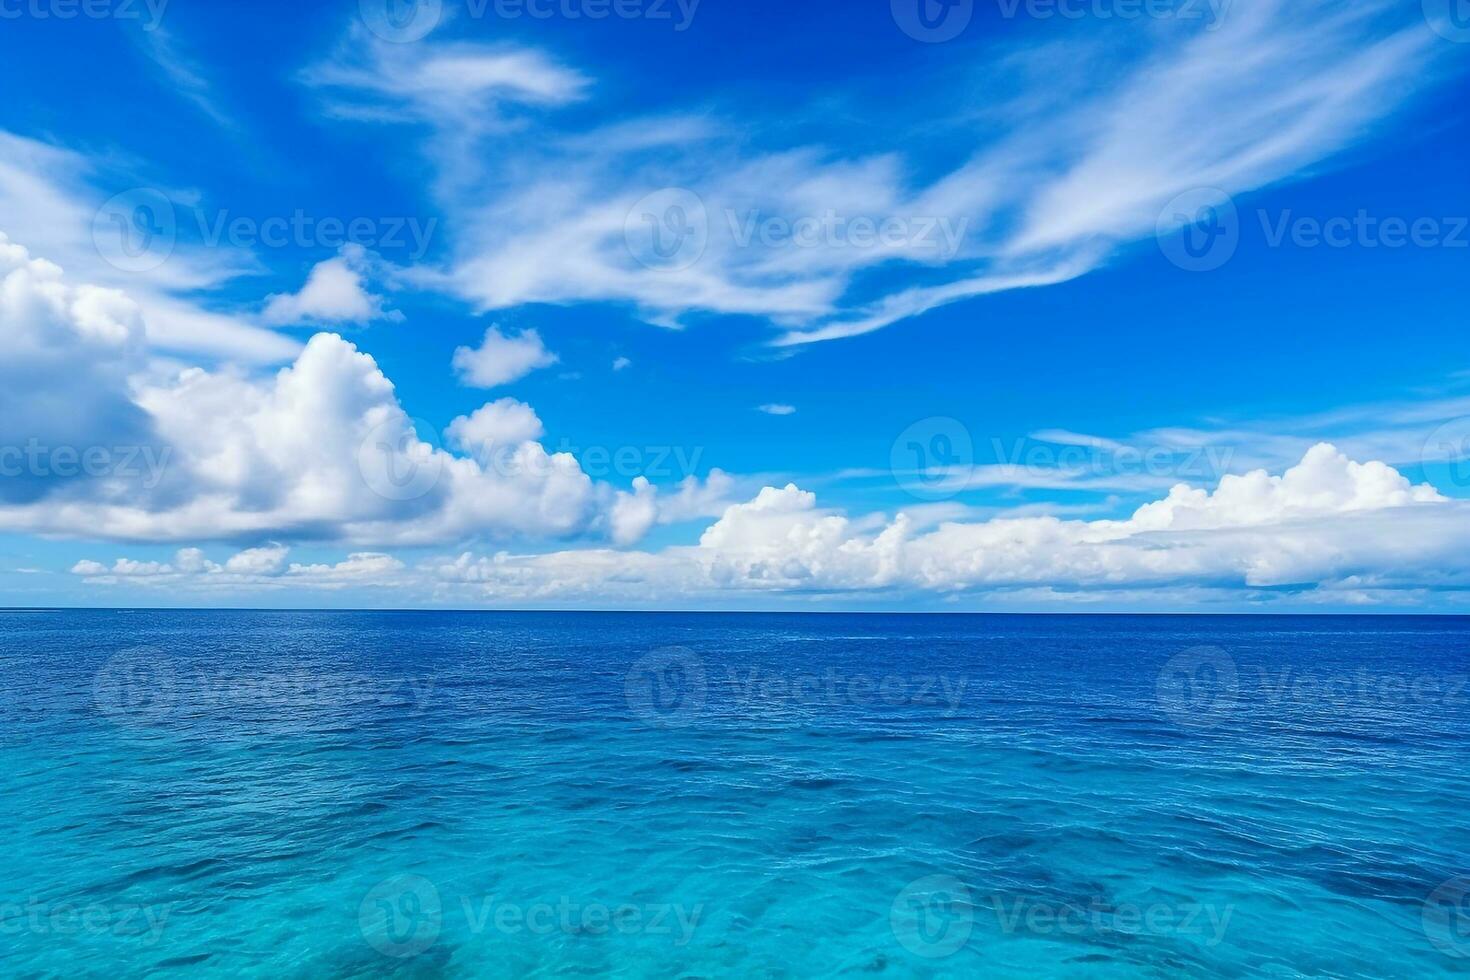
670,230
406,462
401,917
667,688
1103,917
607,462
401,21
399,462
672,687
936,21
1201,230
135,685
925,236
144,464
667,230
754,689
145,923
1448,447
149,13
1203,687
404,916
932,21
1445,917
1363,229
679,14
1102,460
139,230
934,458
1210,13
406,21
1199,687
136,231
141,686
1450,19
932,916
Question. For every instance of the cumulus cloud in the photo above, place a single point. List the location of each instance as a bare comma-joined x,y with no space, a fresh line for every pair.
496,426
322,449
64,382
1327,523
253,568
335,292
501,358
1327,527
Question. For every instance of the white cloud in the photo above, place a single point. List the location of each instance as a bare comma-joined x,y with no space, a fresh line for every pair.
1324,522
321,449
251,569
805,237
495,427
501,358
48,200
456,83
268,560
335,292
185,76
1328,529
774,408
621,363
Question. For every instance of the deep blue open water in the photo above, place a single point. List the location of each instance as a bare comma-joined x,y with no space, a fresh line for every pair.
325,794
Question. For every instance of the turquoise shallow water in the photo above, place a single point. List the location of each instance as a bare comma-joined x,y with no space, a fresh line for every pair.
457,795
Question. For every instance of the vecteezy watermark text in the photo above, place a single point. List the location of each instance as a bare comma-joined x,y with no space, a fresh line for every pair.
1203,687
934,916
150,12
403,916
1201,229
138,230
406,21
38,459
65,919
680,13
670,230
937,236
141,686
936,21
673,686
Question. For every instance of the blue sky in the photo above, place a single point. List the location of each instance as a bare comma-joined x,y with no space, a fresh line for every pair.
879,310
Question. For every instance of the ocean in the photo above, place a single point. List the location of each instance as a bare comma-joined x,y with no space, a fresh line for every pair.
425,794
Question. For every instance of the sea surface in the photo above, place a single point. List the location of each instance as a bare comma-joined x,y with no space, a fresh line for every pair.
360,794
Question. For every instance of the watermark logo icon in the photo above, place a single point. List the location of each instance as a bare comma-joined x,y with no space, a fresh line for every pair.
1198,688
396,463
401,21
932,916
934,458
1448,447
1199,230
401,917
667,687
135,231
136,685
667,230
933,21
1446,917
1450,19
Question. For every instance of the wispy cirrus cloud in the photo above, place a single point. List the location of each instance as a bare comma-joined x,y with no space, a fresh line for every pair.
687,215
